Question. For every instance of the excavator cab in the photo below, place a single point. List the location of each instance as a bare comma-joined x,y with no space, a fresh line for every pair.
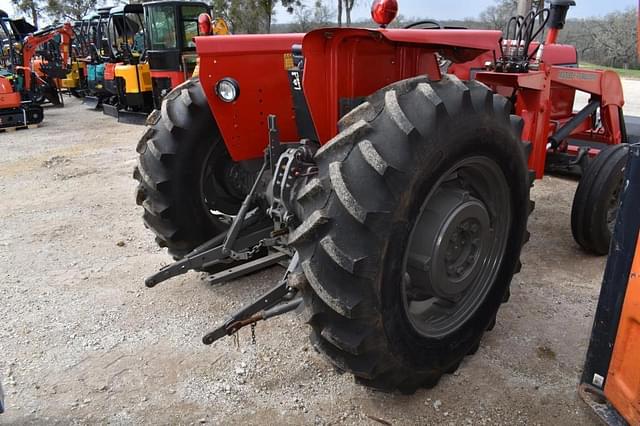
171,51
100,54
130,81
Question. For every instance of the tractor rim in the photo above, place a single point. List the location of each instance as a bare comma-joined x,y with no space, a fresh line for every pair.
456,247
220,190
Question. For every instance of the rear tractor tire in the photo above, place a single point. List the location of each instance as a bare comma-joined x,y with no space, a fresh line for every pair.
187,183
595,204
413,231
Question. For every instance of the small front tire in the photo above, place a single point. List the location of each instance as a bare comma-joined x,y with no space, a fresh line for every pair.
595,204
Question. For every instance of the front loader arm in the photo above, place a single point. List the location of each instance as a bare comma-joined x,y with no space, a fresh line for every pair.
603,86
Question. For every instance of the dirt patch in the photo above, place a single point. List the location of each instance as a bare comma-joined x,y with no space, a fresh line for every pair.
56,161
545,352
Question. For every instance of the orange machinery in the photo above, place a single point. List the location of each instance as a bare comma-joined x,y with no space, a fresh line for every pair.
32,66
611,376
14,110
21,90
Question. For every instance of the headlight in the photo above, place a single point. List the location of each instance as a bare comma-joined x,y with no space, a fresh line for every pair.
227,89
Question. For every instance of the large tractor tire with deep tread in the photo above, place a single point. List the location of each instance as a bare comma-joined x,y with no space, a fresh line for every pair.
181,155
406,153
595,204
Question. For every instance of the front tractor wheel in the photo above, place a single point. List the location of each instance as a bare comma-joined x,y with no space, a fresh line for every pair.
413,231
188,185
595,204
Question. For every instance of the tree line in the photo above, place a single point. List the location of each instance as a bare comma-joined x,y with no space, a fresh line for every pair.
55,10
609,40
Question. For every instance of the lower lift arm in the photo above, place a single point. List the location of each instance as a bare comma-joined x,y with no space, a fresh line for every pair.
280,299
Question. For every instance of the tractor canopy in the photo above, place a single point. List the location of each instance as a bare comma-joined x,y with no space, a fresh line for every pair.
126,28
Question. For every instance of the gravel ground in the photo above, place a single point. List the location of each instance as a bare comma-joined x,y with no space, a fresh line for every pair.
84,342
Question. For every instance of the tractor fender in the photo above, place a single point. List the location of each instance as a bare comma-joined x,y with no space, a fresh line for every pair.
344,65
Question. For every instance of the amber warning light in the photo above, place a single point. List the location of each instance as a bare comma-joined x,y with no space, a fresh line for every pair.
384,11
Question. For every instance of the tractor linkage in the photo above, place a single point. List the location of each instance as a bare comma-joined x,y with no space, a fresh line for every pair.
229,246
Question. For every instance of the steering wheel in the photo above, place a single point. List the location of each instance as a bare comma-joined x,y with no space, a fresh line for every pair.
433,24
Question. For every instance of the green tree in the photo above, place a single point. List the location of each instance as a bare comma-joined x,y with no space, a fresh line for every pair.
614,38
30,7
251,16
241,15
310,18
267,8
495,17
69,9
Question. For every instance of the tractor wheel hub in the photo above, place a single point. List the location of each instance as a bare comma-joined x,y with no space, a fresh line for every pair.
453,230
456,247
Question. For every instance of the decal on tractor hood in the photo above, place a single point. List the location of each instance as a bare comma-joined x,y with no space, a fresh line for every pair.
574,75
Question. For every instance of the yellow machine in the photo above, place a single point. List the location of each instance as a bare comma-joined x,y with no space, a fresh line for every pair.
132,90
136,80
72,81
166,38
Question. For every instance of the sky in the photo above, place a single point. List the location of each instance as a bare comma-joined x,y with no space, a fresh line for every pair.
459,9
447,9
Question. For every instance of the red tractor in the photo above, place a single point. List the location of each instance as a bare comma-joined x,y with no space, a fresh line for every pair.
393,166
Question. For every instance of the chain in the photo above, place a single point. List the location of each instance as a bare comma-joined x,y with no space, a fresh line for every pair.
253,333
245,255
255,249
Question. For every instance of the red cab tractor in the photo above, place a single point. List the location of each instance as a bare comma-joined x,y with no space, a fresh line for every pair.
393,166
171,27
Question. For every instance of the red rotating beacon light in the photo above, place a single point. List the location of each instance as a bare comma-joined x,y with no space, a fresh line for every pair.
384,11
